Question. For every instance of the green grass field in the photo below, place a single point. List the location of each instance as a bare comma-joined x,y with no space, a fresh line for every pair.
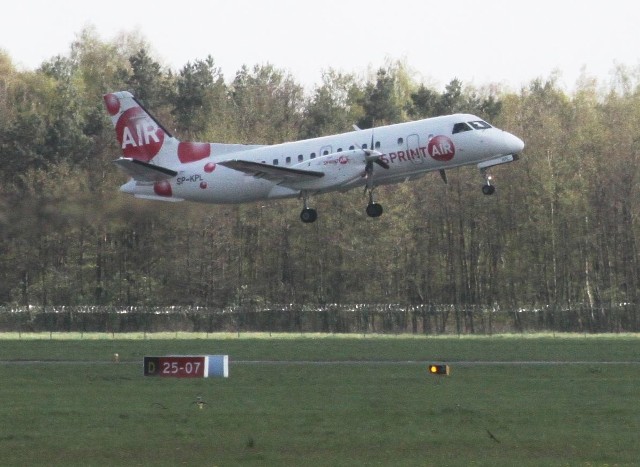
322,400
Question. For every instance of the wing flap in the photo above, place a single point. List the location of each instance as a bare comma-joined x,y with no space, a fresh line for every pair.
143,171
273,173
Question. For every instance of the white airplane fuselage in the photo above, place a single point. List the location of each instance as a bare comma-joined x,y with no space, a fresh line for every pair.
221,173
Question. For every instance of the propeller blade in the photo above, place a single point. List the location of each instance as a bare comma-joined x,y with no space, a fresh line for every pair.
372,155
381,163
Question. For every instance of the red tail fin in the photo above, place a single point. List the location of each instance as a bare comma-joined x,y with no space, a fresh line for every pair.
141,137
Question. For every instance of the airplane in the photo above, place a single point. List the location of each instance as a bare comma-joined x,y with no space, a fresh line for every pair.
161,167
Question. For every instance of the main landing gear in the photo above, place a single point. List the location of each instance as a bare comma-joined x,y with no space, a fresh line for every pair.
373,209
308,215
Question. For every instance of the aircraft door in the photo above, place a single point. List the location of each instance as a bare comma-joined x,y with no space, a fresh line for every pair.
413,149
326,150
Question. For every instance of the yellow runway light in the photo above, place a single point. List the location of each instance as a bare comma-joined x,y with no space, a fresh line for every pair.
436,369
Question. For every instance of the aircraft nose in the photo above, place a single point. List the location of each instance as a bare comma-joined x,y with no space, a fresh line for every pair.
514,144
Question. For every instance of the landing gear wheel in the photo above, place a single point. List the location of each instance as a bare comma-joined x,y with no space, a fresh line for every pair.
308,215
374,210
488,189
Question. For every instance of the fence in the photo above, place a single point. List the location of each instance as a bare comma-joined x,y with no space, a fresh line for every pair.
361,318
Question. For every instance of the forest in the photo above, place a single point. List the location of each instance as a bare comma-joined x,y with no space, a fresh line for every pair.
562,230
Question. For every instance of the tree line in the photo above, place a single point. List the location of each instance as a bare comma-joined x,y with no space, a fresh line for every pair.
426,319
562,228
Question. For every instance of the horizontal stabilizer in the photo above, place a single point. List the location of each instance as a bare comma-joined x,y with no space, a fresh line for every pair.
282,175
159,198
143,171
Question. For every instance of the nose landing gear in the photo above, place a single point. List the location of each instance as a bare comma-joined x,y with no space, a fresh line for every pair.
487,188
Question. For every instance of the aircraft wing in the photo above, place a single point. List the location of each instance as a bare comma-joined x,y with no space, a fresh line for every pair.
273,173
144,172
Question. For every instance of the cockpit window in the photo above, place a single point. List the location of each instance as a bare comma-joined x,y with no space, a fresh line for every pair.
460,127
479,125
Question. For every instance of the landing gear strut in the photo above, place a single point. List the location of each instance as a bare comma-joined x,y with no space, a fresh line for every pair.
308,215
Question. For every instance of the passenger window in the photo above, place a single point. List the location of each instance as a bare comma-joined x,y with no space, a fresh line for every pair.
339,149
300,157
460,127
275,162
364,146
325,153
400,141
351,148
377,144
313,155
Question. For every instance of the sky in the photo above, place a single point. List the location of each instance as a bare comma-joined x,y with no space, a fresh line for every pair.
480,42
